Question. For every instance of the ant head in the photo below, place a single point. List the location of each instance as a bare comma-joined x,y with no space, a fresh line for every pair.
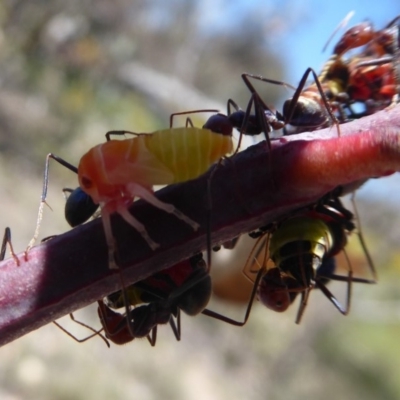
79,207
357,36
219,123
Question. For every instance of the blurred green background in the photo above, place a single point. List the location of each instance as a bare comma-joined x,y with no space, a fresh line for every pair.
69,72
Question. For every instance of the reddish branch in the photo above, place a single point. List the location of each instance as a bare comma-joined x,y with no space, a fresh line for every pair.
249,190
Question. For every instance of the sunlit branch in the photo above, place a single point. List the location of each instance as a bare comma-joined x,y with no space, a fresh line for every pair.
71,270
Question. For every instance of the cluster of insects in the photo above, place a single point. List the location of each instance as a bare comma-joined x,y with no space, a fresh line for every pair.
291,256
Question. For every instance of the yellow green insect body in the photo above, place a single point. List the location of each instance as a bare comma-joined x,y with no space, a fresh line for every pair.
116,172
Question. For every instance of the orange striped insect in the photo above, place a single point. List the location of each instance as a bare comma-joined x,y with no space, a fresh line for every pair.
116,172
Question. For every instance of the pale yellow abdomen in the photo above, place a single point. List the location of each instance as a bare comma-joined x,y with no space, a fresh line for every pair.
188,152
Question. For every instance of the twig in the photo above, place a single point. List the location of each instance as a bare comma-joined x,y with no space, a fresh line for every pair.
71,271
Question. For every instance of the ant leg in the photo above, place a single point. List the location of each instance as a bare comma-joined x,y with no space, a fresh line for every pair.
354,279
260,245
375,62
334,300
44,195
171,118
123,133
246,77
231,321
65,191
299,91
371,265
322,279
128,320
209,222
303,304
349,282
260,114
195,278
88,327
232,104
176,328
178,319
95,333
244,123
209,216
267,119
128,329
137,190
152,336
7,240
131,220
393,21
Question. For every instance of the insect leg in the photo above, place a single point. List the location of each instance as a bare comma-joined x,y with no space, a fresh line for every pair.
171,117
176,327
137,190
7,240
131,220
152,336
95,333
303,304
122,133
362,241
231,321
334,300
111,245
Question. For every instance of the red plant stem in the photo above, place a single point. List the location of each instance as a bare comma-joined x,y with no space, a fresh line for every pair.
248,190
